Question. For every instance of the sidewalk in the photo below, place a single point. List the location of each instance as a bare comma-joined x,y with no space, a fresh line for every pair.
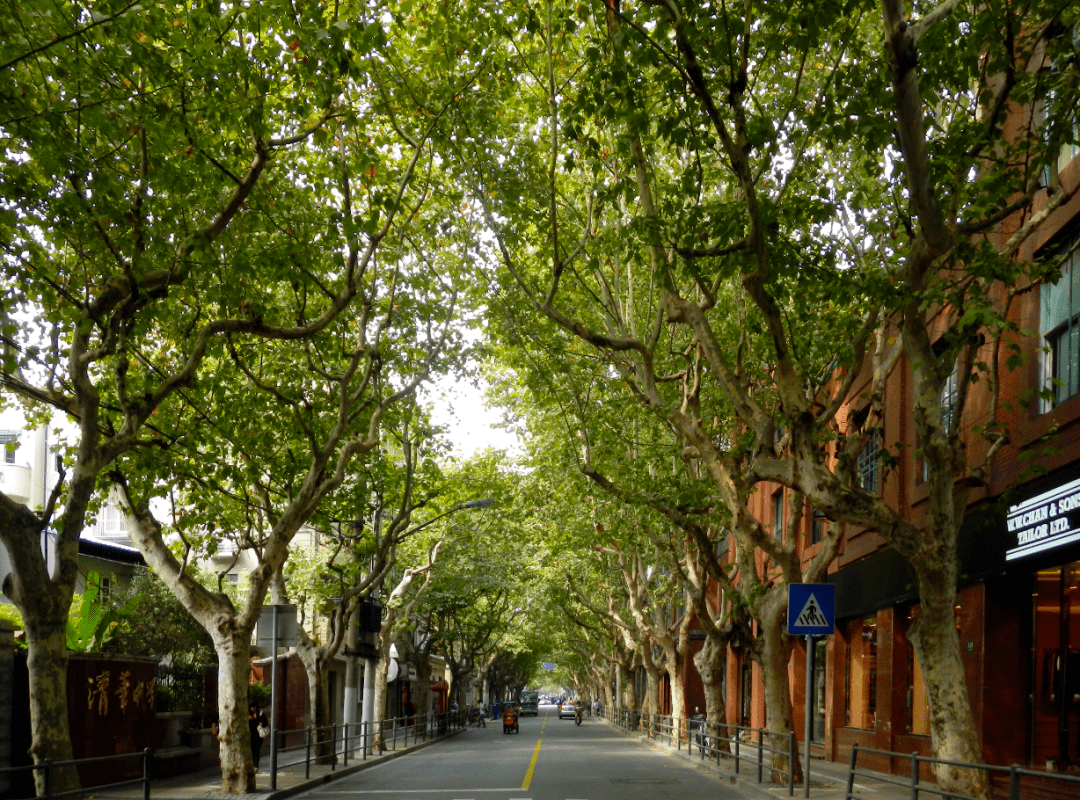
828,779
291,778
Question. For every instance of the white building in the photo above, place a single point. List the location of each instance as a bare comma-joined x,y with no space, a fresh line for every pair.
27,475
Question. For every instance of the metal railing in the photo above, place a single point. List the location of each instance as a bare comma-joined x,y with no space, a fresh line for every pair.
337,743
715,740
49,767
332,743
1014,774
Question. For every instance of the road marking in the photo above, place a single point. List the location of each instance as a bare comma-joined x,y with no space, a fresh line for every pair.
412,791
532,765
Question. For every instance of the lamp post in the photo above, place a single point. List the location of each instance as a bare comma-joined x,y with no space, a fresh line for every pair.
352,648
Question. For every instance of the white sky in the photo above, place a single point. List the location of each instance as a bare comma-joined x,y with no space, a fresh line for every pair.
460,407
457,405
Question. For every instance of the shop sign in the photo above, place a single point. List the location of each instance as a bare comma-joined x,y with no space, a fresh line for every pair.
1045,522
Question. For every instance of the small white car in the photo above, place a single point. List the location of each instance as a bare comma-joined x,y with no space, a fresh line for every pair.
566,711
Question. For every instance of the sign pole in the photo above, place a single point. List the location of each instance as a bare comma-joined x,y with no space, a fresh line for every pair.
273,702
807,722
811,612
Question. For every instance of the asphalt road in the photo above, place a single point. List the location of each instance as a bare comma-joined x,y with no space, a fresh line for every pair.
549,759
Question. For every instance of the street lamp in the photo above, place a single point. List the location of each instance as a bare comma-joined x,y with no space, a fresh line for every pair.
485,502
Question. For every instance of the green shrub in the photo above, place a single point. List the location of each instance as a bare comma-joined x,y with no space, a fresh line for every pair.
259,693
10,613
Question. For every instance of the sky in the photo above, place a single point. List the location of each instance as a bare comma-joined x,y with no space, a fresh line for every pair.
456,404
460,406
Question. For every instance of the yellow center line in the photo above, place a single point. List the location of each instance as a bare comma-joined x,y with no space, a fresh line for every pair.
532,765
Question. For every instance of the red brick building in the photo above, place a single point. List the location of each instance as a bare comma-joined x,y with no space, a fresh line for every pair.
1018,611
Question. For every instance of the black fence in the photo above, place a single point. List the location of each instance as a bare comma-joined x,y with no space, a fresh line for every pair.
48,767
1015,780
334,745
181,688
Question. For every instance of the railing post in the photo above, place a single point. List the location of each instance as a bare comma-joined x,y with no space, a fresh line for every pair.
345,745
307,755
333,746
1014,782
914,776
48,777
394,723
737,740
851,771
760,752
364,738
791,767
147,754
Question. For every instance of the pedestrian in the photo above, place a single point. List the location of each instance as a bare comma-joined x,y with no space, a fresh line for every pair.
481,714
495,710
258,728
410,712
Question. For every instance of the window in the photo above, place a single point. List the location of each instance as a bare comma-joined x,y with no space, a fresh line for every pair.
778,514
867,464
1059,315
9,442
1069,40
111,523
948,412
106,589
819,524
918,708
861,673
948,400
722,543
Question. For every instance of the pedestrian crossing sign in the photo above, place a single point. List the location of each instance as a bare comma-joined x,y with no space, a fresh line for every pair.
811,609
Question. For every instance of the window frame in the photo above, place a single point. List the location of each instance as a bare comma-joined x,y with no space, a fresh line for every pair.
867,466
1059,369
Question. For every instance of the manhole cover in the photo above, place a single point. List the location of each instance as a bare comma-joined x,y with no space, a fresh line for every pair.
644,781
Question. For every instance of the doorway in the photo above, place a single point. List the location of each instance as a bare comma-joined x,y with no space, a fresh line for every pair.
1055,734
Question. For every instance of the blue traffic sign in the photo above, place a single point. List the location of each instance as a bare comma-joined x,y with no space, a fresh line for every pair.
811,609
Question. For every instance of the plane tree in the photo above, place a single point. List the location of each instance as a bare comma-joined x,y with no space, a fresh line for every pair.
180,241
171,177
360,529
800,240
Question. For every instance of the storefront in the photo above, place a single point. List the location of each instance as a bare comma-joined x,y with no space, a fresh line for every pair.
1043,547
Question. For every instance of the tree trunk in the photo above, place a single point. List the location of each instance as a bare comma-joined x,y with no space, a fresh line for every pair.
378,712
775,656
629,691
710,663
316,666
234,672
650,704
937,647
47,662
44,602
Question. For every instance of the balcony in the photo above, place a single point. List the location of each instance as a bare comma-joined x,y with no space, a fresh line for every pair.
15,482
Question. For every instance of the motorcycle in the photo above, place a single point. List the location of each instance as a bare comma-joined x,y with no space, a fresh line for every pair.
577,715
